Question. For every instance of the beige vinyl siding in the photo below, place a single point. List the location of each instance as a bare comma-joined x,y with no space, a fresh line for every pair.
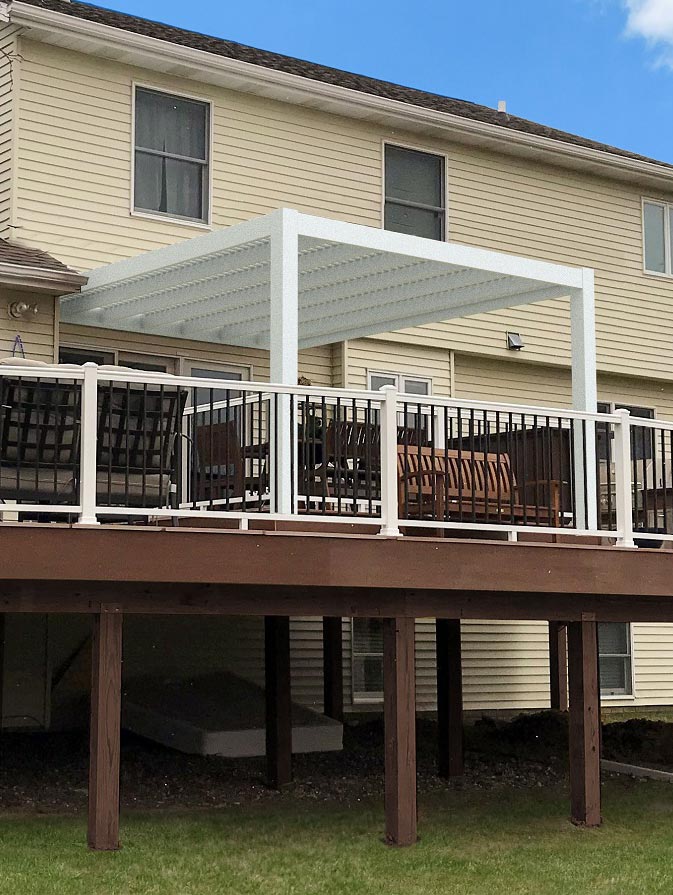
37,333
653,665
9,85
76,115
314,363
378,355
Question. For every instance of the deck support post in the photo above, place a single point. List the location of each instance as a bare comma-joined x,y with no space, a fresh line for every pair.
333,700
584,724
399,705
104,755
3,616
558,666
278,701
449,698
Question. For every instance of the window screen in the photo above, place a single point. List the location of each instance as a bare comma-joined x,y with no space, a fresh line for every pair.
614,648
414,200
171,155
367,653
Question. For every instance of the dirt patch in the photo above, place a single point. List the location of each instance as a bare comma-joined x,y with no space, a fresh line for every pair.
48,772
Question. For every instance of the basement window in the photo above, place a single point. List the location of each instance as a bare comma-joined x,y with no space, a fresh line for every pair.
367,659
615,660
172,149
658,237
415,201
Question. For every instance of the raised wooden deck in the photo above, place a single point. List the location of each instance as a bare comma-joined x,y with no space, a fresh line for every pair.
110,571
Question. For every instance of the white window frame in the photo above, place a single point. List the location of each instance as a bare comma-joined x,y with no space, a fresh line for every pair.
188,364
119,355
360,697
668,253
445,179
631,694
400,379
157,215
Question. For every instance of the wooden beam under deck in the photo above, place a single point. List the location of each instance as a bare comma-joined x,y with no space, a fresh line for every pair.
450,760
558,666
333,676
105,732
192,571
278,701
584,724
399,710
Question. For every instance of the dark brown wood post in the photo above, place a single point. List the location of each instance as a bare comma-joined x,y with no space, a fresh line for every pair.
449,698
2,669
584,724
278,701
333,676
106,689
558,666
399,704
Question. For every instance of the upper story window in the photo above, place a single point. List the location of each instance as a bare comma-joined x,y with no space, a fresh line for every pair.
171,174
415,195
658,237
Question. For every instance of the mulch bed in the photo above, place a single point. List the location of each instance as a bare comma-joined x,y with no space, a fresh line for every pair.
47,773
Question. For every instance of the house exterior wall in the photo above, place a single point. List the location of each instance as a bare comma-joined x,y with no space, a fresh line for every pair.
9,93
75,115
75,118
36,336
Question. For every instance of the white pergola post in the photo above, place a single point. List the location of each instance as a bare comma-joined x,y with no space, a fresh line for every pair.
584,394
284,346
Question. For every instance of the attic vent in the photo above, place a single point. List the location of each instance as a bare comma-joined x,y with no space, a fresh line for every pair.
502,103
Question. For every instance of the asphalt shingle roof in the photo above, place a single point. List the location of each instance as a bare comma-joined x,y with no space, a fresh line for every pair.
324,74
24,256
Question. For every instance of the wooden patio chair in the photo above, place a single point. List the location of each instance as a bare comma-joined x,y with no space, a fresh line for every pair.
39,436
351,466
138,428
450,485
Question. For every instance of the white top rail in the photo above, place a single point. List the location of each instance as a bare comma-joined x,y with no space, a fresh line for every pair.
490,406
147,377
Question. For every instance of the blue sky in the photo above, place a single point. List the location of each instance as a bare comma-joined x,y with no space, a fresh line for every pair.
600,68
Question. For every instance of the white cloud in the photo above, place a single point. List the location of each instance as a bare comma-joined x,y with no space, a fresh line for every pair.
652,20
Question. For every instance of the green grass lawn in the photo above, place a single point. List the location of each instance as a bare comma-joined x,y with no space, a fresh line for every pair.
472,843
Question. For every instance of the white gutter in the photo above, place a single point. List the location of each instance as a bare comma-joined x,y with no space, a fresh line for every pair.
342,100
56,282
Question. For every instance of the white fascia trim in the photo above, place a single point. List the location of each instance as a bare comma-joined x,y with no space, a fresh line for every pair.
293,88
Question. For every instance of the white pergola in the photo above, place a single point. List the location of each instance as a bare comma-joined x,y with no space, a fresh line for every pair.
288,280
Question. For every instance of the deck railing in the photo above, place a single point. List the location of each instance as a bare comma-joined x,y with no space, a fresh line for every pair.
95,444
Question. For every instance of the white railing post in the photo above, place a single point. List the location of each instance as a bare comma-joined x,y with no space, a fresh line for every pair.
88,439
623,483
389,500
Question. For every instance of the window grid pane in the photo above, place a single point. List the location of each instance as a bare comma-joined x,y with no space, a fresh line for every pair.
655,238
171,155
367,652
614,650
414,193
